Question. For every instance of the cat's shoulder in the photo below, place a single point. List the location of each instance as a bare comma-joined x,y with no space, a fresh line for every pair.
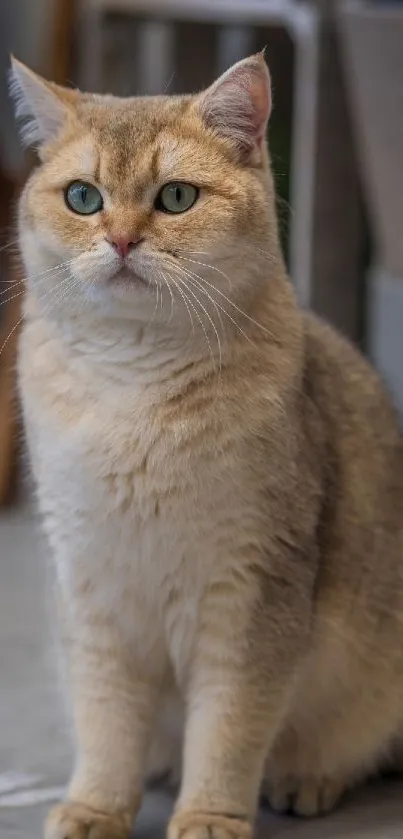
342,380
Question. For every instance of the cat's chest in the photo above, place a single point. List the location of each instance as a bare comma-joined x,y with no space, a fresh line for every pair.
139,510
137,490
128,521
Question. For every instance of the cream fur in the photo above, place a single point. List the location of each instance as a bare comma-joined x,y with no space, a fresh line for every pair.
217,504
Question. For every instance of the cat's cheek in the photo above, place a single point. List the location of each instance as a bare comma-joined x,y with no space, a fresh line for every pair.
43,253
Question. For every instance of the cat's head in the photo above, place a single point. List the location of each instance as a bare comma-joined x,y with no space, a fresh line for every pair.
143,198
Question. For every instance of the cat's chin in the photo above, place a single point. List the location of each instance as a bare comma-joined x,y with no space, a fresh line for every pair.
126,279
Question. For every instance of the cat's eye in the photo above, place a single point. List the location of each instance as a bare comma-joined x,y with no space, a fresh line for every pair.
176,197
83,198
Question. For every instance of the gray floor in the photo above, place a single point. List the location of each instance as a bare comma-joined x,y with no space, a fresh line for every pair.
35,753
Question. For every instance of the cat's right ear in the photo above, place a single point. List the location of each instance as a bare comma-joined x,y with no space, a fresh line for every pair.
41,107
237,106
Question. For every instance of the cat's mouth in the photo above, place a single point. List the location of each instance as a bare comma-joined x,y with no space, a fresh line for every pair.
125,278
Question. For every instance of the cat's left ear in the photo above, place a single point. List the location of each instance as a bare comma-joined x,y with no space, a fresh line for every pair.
238,105
41,107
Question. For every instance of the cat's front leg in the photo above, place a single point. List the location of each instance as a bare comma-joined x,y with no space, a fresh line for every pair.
114,704
242,678
226,741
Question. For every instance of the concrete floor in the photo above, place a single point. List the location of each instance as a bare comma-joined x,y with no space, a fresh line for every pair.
35,752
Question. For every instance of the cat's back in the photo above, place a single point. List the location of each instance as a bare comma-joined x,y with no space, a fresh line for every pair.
346,388
361,528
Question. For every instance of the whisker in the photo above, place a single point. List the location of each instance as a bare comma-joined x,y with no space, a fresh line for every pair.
8,245
224,311
19,293
190,275
171,78
198,318
13,287
172,300
268,255
185,300
158,294
186,250
13,297
86,295
9,282
64,264
4,344
234,305
209,318
40,276
63,293
206,265
158,288
58,292
56,288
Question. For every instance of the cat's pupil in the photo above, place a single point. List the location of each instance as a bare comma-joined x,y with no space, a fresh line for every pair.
83,194
178,194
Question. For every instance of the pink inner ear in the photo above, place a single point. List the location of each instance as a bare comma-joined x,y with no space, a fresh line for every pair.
238,105
260,95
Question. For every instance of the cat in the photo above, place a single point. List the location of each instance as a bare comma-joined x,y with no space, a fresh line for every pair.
219,472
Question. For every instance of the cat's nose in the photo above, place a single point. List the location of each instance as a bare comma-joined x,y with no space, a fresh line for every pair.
122,244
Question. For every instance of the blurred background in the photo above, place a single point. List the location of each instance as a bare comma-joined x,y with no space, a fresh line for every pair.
336,137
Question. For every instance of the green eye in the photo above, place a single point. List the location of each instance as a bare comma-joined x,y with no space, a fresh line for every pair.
83,198
176,197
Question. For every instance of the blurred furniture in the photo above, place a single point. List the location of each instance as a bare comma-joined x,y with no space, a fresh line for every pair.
58,67
371,36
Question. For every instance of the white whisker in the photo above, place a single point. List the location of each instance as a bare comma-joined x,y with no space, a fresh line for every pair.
268,255
14,285
87,291
158,288
21,293
206,265
13,297
9,245
9,282
234,305
185,300
40,277
197,253
66,292
230,318
172,300
190,275
199,319
59,292
209,318
4,344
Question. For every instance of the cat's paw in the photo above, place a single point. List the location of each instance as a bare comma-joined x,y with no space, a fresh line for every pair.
303,796
75,821
208,826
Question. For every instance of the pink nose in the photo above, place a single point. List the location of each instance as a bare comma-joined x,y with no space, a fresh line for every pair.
122,245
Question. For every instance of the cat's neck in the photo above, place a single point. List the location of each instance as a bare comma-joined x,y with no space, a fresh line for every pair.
127,351
141,353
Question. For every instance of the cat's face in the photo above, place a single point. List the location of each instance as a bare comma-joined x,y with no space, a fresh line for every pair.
148,197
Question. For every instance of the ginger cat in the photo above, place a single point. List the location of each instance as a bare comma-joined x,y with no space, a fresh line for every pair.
219,473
